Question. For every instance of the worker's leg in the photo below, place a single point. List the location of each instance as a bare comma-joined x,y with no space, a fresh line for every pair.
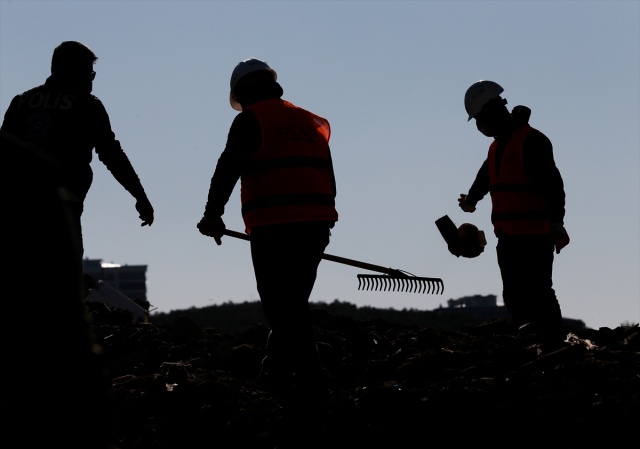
526,264
286,260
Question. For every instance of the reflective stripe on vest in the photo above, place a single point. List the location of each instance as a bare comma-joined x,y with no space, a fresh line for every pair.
289,179
517,206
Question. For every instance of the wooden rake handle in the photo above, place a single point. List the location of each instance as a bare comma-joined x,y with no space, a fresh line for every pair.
332,258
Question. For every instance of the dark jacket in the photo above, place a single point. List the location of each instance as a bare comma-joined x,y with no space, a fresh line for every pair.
64,127
540,167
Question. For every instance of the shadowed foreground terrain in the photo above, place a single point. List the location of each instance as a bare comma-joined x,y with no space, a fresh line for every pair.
182,385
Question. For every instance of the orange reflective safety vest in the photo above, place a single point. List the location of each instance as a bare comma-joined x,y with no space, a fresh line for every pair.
517,206
290,178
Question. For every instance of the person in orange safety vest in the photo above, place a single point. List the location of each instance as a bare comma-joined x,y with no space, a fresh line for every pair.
280,152
528,208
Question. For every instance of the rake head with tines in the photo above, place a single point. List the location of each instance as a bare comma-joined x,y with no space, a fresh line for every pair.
400,282
392,280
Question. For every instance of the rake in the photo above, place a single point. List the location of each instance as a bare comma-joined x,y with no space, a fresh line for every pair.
392,279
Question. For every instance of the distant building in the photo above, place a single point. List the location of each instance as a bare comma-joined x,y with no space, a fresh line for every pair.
130,280
474,301
486,307
479,306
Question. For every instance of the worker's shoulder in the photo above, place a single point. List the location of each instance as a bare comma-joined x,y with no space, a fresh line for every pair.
245,118
95,104
537,139
29,92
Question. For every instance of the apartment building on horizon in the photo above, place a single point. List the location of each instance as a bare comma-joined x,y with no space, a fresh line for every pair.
130,280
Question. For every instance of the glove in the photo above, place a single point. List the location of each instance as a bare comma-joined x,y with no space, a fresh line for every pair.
212,227
145,209
464,205
559,236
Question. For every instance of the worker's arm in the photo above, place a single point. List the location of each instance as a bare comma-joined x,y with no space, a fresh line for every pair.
478,190
541,168
243,141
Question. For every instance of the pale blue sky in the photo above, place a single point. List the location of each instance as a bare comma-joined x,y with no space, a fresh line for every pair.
390,76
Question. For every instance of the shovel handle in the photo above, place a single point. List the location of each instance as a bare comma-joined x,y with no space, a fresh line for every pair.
332,258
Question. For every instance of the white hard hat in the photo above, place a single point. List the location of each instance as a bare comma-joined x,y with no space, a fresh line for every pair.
479,94
244,68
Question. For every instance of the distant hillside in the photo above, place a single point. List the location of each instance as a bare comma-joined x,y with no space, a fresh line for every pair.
236,317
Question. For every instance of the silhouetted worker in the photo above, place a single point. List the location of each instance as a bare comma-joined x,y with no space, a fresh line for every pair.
528,208
280,152
64,121
59,384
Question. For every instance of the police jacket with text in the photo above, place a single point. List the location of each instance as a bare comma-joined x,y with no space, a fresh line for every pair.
63,126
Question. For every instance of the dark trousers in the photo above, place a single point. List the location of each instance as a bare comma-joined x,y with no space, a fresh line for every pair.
285,261
58,388
526,267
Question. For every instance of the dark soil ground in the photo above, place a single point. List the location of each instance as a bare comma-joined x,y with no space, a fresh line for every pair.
183,386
